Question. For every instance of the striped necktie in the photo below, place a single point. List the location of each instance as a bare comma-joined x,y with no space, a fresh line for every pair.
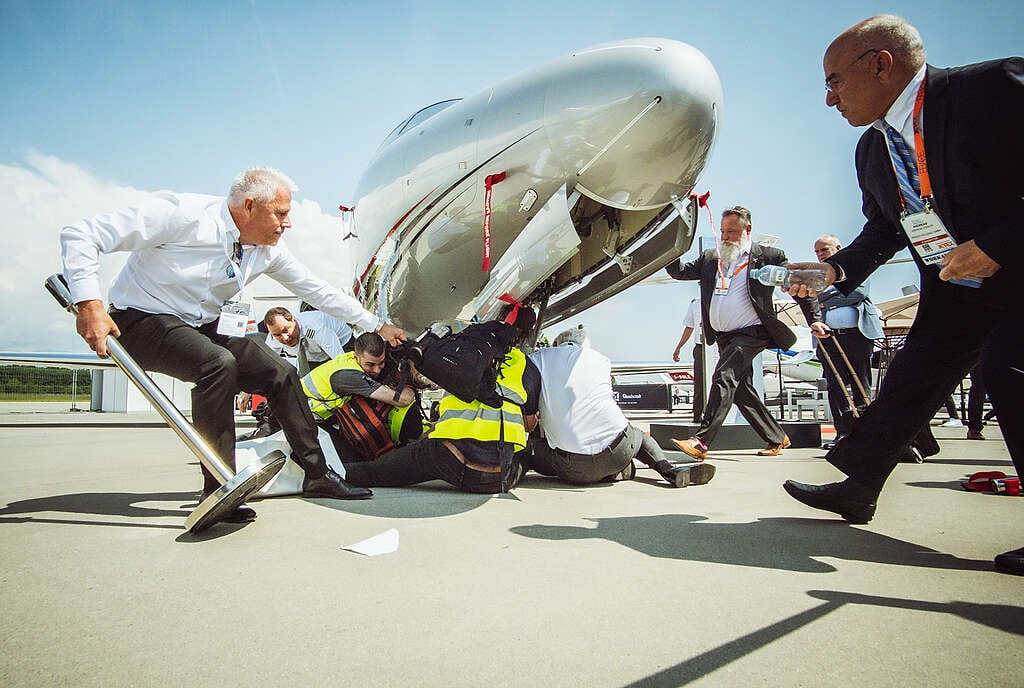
906,169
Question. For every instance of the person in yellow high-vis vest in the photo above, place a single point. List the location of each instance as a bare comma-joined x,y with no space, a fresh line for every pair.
466,446
357,373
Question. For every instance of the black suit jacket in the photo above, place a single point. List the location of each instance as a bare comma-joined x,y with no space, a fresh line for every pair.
705,269
975,151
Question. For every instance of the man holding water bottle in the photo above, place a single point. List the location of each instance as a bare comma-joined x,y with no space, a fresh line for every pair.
940,172
737,313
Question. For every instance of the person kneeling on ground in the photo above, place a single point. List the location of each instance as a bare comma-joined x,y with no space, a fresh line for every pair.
466,444
586,438
333,387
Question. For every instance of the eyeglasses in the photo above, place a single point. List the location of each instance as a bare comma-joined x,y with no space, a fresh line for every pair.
832,81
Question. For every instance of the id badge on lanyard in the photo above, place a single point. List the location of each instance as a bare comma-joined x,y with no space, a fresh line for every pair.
237,318
928,236
722,285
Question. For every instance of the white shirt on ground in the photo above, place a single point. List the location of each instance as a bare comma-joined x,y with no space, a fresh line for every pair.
577,410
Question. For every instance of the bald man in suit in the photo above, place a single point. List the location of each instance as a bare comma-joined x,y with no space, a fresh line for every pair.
940,172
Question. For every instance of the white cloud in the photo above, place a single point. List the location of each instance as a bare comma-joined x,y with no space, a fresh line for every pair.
45,193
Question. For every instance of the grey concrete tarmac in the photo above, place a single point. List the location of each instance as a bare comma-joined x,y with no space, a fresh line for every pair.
728,584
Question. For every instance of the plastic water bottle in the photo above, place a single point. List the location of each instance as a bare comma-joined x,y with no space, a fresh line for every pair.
778,276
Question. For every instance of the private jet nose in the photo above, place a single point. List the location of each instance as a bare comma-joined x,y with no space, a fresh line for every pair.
633,122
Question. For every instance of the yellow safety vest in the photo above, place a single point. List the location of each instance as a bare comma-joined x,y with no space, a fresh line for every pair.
317,384
459,420
323,399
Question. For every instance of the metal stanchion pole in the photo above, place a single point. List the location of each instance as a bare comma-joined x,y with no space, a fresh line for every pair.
235,488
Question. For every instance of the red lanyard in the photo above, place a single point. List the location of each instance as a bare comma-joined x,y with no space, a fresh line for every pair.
922,163
923,179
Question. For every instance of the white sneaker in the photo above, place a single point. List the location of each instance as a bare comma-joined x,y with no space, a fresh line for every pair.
953,423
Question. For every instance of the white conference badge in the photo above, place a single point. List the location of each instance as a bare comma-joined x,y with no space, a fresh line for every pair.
234,320
932,240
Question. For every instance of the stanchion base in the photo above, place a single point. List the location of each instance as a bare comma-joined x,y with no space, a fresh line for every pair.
234,492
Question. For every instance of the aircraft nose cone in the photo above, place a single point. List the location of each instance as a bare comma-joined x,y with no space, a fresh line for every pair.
634,122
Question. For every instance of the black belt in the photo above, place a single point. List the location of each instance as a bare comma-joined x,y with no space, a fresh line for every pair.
615,442
843,330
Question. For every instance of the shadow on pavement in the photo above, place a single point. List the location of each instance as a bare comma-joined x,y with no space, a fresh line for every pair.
429,500
971,462
1001,617
100,504
789,544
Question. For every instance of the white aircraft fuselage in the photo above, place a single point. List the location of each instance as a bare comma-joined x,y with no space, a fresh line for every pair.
600,152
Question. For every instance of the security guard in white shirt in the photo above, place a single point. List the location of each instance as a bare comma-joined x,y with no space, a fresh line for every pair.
586,438
174,308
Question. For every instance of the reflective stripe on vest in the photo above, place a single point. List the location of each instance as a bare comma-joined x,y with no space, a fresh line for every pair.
460,420
317,384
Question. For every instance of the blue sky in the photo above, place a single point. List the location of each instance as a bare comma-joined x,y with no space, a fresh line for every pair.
104,100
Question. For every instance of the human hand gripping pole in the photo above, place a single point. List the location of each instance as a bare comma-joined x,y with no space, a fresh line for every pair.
235,488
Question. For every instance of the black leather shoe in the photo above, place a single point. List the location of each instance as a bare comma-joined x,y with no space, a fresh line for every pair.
1011,562
333,486
240,514
687,474
849,500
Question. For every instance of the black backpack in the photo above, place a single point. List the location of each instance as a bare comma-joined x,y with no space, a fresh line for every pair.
465,364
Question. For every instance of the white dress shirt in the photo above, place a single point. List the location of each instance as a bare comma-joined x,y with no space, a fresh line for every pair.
577,410
324,337
692,320
733,310
900,114
181,261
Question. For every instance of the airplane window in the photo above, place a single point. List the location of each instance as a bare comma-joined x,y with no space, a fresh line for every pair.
428,112
418,118
394,133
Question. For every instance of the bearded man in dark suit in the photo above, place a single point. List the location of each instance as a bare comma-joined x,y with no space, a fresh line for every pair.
737,314
940,172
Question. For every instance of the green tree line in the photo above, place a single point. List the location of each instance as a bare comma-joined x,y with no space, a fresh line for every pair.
19,379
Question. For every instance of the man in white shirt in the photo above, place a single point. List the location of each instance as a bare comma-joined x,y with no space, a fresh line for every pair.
312,336
305,340
586,438
174,309
691,326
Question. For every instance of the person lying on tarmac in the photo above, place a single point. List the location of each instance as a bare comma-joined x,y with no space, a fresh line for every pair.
586,438
360,373
465,446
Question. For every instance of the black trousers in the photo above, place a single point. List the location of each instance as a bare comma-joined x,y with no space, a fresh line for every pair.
419,462
976,400
698,382
952,330
858,349
220,367
733,383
